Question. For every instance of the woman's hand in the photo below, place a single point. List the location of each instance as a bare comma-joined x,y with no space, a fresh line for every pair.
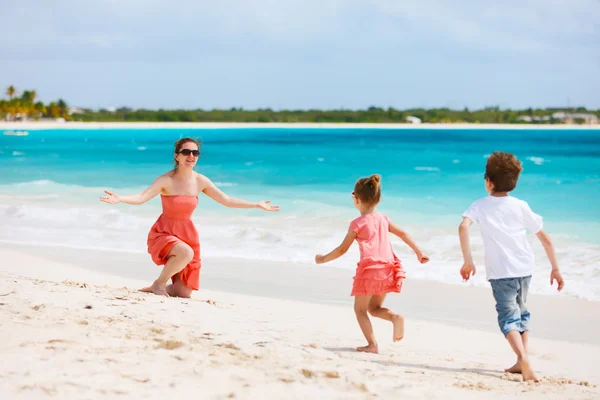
265,205
112,198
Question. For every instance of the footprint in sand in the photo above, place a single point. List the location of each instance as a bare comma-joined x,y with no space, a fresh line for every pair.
479,386
307,373
512,377
410,371
169,344
228,346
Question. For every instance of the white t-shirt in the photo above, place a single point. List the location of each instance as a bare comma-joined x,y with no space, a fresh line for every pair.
504,222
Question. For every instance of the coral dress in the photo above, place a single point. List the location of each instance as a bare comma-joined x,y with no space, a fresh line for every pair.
175,226
379,271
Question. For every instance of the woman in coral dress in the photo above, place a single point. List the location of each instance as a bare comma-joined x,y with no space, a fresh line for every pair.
379,271
173,240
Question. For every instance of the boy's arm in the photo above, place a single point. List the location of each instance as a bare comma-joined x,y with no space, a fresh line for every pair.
406,238
338,251
468,267
549,249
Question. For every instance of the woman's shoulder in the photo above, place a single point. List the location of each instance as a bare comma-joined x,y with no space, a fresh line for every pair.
200,176
164,179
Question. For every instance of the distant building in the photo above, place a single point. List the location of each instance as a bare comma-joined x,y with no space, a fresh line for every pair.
570,118
532,118
413,120
564,117
76,110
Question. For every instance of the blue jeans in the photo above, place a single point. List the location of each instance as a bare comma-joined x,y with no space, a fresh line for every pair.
511,295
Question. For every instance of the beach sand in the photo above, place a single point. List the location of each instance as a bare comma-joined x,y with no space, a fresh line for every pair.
73,326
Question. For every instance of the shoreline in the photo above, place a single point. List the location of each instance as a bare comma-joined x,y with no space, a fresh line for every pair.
420,299
226,125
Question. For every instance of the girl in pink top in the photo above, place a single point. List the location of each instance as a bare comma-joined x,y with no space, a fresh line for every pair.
379,271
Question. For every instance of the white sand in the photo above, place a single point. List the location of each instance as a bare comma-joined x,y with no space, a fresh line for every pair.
69,331
15,126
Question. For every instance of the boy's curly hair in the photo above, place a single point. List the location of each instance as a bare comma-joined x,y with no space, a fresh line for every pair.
503,170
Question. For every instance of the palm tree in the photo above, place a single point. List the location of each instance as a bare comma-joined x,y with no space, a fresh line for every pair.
40,109
11,91
13,109
53,110
64,108
27,99
3,109
28,96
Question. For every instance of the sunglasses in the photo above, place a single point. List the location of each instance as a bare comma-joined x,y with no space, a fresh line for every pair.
187,152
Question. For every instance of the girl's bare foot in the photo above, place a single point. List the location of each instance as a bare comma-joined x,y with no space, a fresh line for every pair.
398,321
372,348
515,369
527,371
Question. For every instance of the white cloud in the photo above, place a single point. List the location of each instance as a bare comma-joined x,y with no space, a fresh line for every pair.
279,52
513,25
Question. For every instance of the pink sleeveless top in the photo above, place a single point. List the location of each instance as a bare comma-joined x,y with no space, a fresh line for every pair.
378,271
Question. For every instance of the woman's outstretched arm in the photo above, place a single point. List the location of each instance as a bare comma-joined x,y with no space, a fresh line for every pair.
141,198
217,195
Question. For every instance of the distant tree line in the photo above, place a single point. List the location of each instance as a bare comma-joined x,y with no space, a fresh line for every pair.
24,106
371,115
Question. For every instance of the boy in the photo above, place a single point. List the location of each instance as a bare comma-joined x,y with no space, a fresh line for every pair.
509,260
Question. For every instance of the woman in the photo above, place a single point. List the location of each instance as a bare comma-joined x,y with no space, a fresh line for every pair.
173,239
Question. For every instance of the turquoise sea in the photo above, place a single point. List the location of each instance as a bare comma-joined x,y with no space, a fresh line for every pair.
50,182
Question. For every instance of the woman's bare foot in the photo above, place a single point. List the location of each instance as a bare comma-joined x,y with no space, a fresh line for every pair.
527,371
157,289
398,321
372,348
178,289
515,369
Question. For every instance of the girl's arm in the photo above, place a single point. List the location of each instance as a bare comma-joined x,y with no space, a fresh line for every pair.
338,251
136,199
406,238
468,267
217,195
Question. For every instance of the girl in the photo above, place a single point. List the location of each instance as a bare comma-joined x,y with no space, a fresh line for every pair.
379,271
173,240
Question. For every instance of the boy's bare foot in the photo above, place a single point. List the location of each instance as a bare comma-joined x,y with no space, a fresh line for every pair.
372,348
515,369
527,371
398,321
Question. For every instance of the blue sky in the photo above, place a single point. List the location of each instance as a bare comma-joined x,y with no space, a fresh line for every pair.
304,53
